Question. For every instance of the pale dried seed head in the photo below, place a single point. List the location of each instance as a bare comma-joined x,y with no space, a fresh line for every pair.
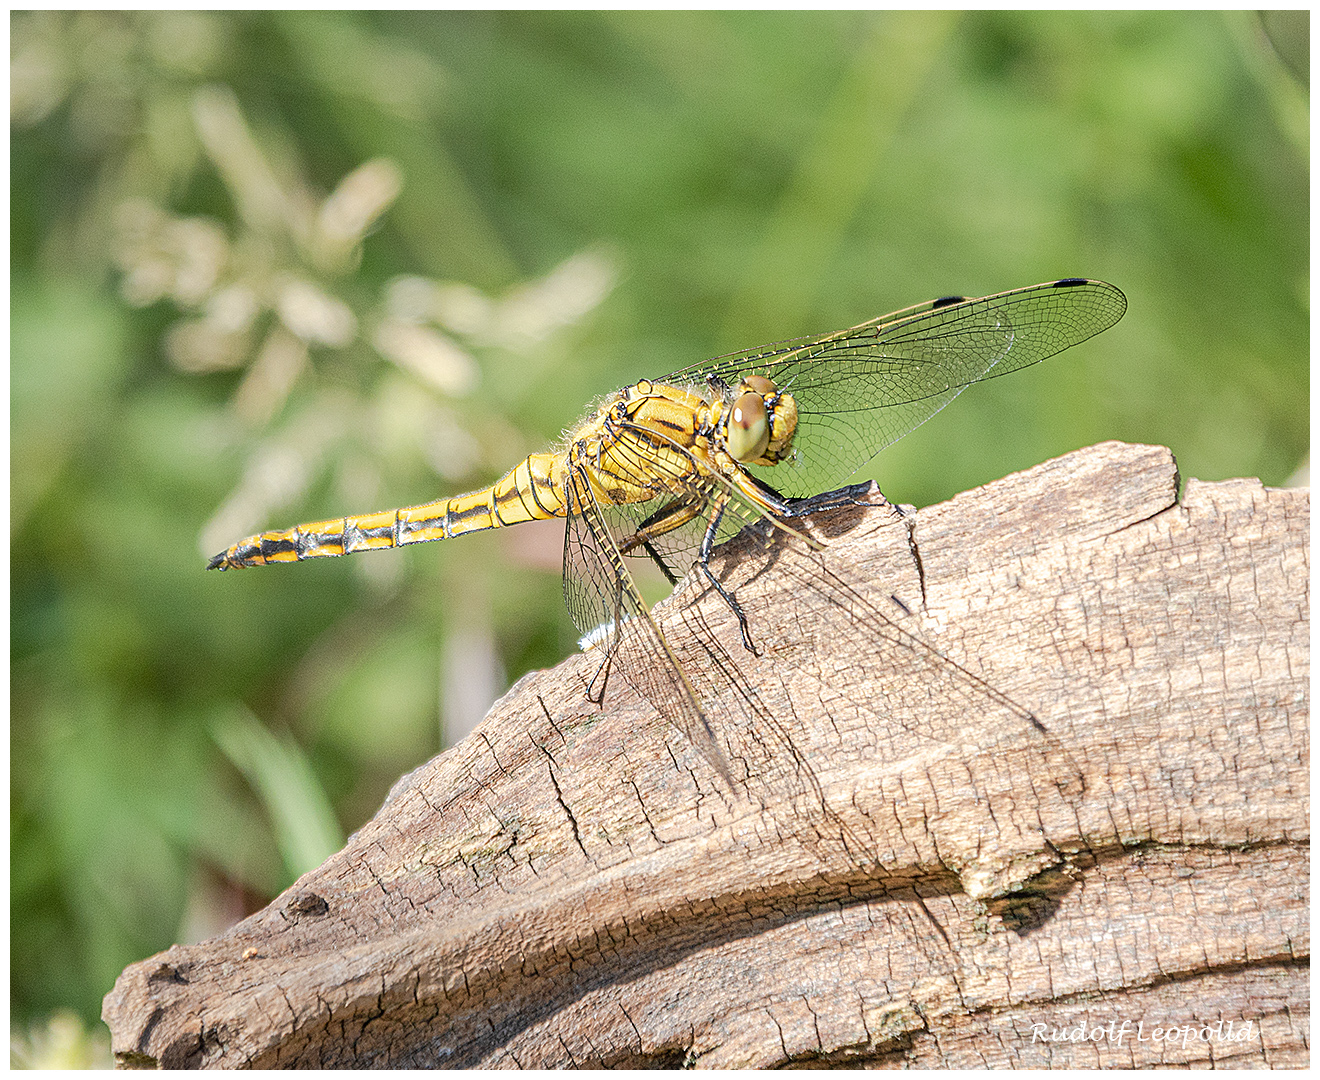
361,197
314,315
429,355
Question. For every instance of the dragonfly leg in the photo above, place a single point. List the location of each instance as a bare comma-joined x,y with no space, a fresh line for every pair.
783,507
669,517
852,495
703,560
780,506
659,561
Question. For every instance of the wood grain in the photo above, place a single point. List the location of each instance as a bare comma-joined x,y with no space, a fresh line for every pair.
908,872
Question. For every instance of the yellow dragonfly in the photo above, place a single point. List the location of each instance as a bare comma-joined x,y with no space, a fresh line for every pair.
666,469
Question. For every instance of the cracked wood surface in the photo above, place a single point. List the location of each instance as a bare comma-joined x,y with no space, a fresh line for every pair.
909,872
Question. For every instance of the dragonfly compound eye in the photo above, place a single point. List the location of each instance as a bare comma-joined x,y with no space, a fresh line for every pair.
749,428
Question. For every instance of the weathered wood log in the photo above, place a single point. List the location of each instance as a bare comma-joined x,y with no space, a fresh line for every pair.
910,869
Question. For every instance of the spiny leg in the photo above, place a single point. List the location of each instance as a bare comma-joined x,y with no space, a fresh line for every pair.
703,560
800,507
671,516
851,495
660,562
788,507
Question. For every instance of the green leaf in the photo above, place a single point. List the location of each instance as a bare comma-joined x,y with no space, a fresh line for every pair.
306,829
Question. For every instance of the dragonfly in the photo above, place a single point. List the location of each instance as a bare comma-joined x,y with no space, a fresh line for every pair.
667,469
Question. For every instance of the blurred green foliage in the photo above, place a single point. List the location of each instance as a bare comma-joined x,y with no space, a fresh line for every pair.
195,339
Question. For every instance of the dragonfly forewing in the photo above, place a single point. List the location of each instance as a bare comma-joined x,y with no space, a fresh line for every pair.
858,390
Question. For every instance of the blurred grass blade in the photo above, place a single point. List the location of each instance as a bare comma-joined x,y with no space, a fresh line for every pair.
306,829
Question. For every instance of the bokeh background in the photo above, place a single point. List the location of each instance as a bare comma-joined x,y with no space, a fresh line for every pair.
277,267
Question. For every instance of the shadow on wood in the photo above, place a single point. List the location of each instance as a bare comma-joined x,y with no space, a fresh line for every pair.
1009,770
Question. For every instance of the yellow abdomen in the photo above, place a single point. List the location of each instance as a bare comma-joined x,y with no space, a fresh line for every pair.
529,491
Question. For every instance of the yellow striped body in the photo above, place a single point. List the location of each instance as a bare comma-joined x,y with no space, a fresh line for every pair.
527,492
645,441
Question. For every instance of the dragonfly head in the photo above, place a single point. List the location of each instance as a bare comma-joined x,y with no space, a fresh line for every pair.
761,422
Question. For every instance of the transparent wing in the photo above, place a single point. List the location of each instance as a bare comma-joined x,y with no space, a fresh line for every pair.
605,605
955,706
858,390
